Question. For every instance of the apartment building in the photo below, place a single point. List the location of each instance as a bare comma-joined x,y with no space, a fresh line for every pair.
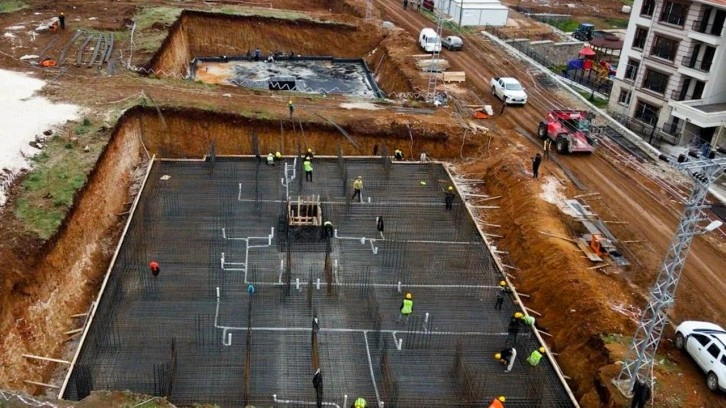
671,79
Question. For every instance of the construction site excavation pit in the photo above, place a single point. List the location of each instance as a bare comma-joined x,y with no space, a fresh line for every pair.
308,54
245,268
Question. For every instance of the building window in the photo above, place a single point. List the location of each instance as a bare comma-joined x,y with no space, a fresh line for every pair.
665,48
673,13
624,97
655,81
647,9
631,70
640,35
646,112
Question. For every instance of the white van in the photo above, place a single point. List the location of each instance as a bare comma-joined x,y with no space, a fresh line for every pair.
429,40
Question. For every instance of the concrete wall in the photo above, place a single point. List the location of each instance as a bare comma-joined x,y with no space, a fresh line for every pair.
555,53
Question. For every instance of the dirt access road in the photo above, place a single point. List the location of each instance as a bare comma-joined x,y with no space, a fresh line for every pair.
628,192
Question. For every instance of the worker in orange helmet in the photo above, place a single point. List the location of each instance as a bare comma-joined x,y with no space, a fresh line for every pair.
498,402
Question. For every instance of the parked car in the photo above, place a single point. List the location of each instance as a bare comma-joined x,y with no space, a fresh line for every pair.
429,5
429,40
706,343
452,43
509,90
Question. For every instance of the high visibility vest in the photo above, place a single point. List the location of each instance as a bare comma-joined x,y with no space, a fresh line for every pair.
407,306
534,358
528,320
308,166
358,184
270,158
360,403
496,404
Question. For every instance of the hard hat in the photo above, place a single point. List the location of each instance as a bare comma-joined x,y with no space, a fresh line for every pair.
409,296
542,350
360,177
278,154
498,356
502,283
451,188
290,102
270,154
310,150
501,398
518,315
423,183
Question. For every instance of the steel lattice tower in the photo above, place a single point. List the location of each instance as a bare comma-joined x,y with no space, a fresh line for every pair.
641,354
433,75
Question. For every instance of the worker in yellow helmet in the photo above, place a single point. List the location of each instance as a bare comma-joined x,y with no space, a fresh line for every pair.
357,187
406,307
513,328
503,290
398,154
449,197
290,107
309,154
360,402
506,357
535,357
498,402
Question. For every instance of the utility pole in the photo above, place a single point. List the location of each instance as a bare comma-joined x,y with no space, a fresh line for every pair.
638,362
433,67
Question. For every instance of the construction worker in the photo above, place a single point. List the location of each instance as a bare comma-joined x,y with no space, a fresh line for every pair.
503,290
318,385
62,20
641,393
513,328
154,268
270,159
398,154
406,307
498,402
257,54
546,148
535,357
528,320
449,198
278,156
536,161
328,229
507,357
360,402
309,154
290,107
308,167
357,187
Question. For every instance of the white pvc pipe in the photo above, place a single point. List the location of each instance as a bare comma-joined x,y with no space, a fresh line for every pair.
317,284
297,283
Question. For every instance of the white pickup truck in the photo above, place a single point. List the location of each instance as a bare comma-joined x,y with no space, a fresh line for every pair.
509,90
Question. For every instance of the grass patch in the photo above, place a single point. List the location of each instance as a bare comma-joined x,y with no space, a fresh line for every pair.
627,2
598,102
565,25
617,22
615,338
667,365
57,173
8,6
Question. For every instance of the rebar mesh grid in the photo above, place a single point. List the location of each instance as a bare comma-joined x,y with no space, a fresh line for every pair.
237,293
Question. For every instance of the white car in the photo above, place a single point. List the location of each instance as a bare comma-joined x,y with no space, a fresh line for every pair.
706,343
509,90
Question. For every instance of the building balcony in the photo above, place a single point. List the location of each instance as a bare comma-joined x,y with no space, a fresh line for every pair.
676,96
699,113
702,27
697,64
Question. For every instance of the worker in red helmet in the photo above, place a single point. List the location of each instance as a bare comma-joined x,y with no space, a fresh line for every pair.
154,268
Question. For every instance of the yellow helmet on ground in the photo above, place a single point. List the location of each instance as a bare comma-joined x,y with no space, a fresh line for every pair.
409,296
542,350
501,398
518,315
498,356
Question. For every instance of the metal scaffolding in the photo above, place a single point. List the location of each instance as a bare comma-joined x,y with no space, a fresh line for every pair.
641,354
228,319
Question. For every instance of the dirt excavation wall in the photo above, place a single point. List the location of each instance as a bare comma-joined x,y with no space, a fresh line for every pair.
37,312
190,133
388,66
208,34
551,271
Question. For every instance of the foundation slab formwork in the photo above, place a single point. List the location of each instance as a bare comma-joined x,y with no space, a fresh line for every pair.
195,333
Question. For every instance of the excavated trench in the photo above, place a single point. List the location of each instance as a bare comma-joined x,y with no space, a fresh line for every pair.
198,34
